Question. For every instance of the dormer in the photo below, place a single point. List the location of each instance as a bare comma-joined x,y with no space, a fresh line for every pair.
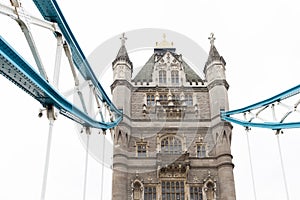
166,68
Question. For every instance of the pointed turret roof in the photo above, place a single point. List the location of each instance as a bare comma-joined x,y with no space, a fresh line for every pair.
122,54
213,52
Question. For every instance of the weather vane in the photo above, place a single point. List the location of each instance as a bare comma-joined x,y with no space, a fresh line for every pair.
212,38
123,39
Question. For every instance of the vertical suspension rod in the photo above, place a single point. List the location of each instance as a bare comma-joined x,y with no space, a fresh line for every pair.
251,166
282,166
46,167
102,170
88,133
86,162
57,59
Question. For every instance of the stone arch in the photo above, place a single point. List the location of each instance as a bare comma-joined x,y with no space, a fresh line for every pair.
209,190
137,189
171,144
119,137
126,138
224,137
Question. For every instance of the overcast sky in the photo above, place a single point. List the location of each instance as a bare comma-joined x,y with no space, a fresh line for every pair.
259,41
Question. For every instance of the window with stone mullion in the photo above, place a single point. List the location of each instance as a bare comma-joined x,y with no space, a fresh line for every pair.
141,150
171,145
189,99
162,76
196,193
150,100
174,77
201,151
172,190
150,193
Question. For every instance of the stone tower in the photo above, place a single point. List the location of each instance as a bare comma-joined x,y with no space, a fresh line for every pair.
172,143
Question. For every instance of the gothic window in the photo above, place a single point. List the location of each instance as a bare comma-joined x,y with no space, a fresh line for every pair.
176,97
175,77
150,100
162,76
189,99
201,150
119,137
137,191
150,193
163,97
171,145
172,190
196,193
210,191
141,150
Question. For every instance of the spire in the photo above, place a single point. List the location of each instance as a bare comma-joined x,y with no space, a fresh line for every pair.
122,54
213,52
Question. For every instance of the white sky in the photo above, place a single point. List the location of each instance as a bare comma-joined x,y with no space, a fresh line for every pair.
259,41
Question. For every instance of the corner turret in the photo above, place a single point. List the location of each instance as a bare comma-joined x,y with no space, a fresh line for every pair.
214,71
122,66
222,132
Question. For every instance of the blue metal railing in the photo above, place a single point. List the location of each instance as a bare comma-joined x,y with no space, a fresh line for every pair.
51,12
17,70
227,115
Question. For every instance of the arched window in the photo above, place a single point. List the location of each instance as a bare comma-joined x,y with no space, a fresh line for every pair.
150,100
171,145
162,76
163,97
174,76
210,191
137,191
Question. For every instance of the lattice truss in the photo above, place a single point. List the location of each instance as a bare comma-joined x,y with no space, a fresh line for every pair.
281,111
94,109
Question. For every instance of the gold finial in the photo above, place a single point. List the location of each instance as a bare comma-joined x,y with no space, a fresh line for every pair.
123,39
212,38
164,43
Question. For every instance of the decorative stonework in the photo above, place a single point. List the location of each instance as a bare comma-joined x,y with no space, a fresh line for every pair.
209,188
171,114
164,43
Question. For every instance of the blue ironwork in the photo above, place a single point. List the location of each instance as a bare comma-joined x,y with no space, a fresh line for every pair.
51,12
17,70
227,115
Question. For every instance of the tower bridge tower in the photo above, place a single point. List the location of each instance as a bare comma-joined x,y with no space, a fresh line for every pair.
172,143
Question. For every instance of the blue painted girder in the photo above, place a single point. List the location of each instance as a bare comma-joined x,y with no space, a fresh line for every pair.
227,115
268,125
17,70
51,12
